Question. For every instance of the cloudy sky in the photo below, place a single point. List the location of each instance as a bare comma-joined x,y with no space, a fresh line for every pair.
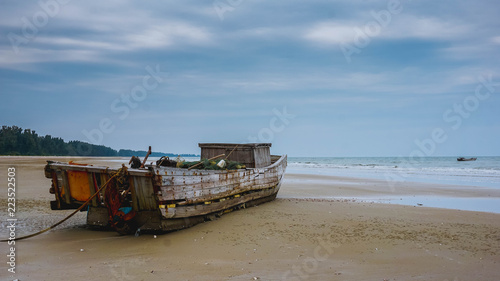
315,78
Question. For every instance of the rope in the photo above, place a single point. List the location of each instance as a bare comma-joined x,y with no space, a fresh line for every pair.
66,218
116,197
231,152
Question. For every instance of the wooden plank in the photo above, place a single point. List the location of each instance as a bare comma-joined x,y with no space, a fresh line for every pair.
192,192
195,187
97,169
65,182
152,203
146,198
262,157
133,192
220,191
202,194
209,194
104,178
56,185
203,209
92,188
141,201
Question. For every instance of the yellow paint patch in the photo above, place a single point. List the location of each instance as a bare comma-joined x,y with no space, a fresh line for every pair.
79,185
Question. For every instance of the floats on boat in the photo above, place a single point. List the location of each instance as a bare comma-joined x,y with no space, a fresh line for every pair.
165,198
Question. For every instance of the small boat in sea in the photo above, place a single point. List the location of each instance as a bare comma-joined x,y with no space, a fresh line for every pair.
155,197
466,159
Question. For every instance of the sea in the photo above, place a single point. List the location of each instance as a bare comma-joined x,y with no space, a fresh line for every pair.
485,171
482,173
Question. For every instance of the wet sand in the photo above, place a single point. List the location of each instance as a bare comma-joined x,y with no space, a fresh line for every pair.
306,234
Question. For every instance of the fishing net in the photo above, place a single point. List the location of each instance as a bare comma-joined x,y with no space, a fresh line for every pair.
212,165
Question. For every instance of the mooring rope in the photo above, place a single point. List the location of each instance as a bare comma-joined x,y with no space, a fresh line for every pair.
66,218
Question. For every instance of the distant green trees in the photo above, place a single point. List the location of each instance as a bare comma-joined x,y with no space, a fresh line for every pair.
16,141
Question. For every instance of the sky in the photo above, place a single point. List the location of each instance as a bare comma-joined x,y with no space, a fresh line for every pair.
314,78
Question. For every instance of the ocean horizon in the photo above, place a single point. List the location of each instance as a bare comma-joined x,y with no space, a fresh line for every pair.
484,172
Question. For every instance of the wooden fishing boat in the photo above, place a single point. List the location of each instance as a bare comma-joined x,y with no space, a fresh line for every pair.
466,159
160,198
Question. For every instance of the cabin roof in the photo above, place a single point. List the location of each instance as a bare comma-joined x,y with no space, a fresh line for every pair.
252,155
249,145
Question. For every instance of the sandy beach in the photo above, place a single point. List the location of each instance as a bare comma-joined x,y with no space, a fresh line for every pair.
317,229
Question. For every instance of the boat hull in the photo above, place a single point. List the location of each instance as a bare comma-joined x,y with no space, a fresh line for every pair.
166,198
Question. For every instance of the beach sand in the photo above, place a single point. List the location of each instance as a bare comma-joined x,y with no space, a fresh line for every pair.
305,234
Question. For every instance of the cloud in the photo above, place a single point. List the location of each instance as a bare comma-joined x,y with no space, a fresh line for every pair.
331,33
79,33
398,28
76,43
29,57
165,34
496,39
168,34
427,28
263,55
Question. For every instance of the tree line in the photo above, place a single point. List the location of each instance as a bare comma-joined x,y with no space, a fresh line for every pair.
16,141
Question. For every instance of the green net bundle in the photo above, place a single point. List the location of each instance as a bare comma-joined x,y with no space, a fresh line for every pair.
212,165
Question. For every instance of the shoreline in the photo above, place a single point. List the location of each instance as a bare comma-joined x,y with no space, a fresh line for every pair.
453,197
286,239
